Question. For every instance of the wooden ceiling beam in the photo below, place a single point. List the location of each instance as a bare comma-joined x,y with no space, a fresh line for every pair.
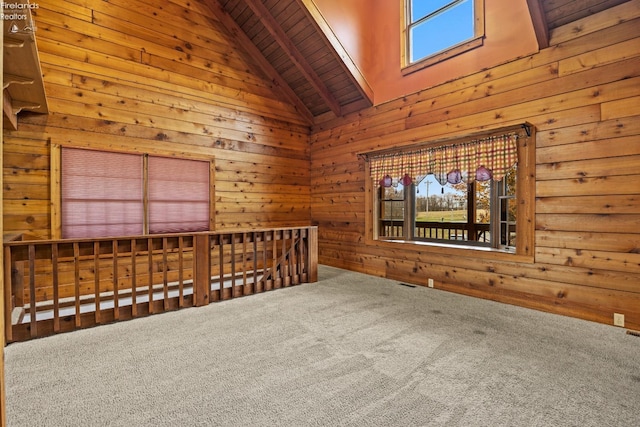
540,25
294,54
276,79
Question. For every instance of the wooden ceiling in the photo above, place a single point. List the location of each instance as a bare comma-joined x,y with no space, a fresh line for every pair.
548,15
299,52
561,12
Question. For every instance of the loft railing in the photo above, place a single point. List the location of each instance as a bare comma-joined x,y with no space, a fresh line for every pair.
58,286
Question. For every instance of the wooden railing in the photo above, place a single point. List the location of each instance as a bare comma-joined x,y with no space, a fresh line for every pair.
57,286
460,231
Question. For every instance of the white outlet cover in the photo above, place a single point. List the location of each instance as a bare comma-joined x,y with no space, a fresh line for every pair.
618,319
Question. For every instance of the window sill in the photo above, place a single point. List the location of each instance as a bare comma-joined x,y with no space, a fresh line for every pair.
469,251
443,56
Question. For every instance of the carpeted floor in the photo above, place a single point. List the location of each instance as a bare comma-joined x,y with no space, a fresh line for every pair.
350,350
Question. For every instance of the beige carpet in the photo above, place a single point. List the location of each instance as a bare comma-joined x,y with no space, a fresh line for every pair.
350,350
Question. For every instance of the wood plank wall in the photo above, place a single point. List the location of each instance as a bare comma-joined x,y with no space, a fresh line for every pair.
3,415
164,77
583,96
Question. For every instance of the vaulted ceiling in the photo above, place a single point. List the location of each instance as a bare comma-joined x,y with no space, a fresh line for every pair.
297,49
300,53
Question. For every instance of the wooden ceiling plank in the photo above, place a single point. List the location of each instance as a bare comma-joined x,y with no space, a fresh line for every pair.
285,43
559,13
342,56
540,26
255,53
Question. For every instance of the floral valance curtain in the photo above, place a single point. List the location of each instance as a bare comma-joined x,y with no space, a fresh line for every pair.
482,159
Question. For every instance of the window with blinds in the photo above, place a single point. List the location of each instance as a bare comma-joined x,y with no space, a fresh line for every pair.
178,195
102,194
106,194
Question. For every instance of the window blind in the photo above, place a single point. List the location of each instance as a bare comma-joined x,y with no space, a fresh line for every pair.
178,195
101,194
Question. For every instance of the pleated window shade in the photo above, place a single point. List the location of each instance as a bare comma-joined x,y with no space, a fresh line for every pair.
102,194
178,195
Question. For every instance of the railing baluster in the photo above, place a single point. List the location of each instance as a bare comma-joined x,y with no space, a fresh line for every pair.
165,282
221,266
56,291
76,267
298,246
274,268
180,272
286,258
254,287
8,294
150,271
304,243
233,265
32,290
134,281
116,296
294,257
264,261
245,289
96,276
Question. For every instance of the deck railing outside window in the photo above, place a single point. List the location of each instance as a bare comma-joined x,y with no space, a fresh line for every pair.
458,231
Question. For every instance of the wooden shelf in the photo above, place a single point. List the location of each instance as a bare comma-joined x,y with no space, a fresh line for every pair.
23,84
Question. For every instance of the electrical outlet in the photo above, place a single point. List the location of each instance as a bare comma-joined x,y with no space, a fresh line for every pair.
618,319
430,283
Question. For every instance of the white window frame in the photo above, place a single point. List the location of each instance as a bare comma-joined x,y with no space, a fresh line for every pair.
497,224
477,40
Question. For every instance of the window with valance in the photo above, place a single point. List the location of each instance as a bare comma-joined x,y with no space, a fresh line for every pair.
473,191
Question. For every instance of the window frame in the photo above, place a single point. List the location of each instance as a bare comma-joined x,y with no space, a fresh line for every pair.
56,185
408,66
524,199
409,218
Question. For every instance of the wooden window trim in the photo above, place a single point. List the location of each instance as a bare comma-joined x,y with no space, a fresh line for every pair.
408,67
56,188
55,200
525,193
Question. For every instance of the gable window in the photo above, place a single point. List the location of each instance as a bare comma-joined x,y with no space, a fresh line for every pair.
476,193
104,194
435,30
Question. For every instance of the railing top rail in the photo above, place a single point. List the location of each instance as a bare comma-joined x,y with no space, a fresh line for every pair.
153,236
435,224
